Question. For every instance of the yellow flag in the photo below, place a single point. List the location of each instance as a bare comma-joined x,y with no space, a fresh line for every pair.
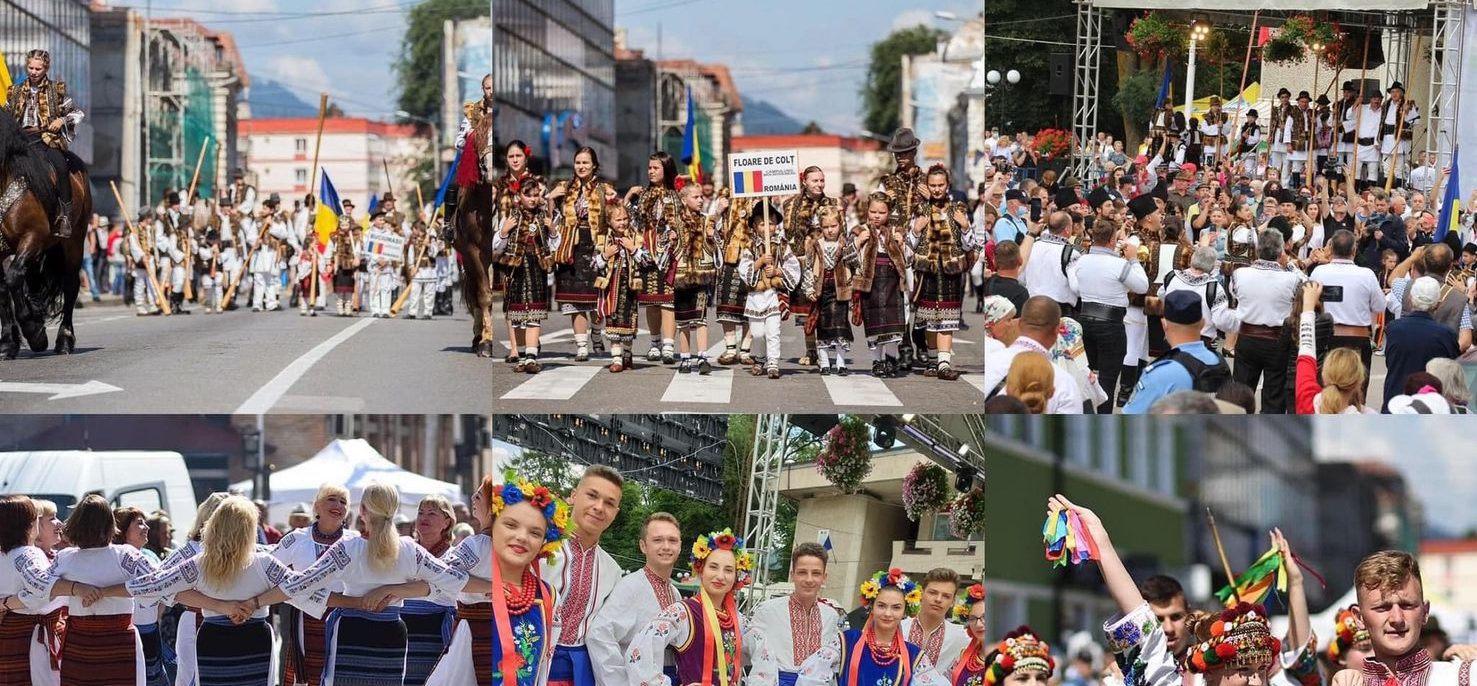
4,80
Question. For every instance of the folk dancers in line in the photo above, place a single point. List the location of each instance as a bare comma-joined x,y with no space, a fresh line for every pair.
31,620
304,643
429,621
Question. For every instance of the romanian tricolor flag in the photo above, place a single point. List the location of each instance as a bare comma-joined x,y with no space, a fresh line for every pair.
325,220
1451,202
1256,582
4,80
692,150
748,182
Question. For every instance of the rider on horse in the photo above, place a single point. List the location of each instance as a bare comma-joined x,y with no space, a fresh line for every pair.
42,107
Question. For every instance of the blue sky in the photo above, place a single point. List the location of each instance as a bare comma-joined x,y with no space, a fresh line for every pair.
808,58
1434,454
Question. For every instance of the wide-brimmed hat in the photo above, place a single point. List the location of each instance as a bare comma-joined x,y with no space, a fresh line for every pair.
1394,86
1283,91
389,196
903,140
1303,95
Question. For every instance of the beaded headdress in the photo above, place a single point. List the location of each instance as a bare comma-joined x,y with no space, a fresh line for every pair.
1238,637
1349,631
1020,649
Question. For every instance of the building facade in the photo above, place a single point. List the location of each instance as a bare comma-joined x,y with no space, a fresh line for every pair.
354,153
63,29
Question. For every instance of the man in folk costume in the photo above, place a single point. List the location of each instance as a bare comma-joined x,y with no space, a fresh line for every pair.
141,252
42,106
1392,605
1297,132
393,216
1213,132
171,244
1347,104
265,264
241,194
583,575
802,221
1398,119
655,206
796,626
1277,127
942,641
909,193
1165,122
1142,324
1366,119
636,600
479,124
941,241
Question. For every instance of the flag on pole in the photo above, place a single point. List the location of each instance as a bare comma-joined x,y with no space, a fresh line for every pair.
4,80
325,221
445,183
1164,86
1451,203
374,205
692,150
1258,580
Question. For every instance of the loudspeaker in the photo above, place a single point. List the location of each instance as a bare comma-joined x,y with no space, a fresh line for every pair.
1060,78
1354,50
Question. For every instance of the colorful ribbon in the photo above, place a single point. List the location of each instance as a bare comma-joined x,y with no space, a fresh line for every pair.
1067,541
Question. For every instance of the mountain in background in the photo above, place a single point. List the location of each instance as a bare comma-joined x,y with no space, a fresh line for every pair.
271,100
763,118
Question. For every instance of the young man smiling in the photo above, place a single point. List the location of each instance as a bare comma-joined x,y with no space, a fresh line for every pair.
582,574
636,599
797,626
940,640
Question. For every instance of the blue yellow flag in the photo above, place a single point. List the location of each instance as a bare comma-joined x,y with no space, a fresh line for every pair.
325,221
445,184
692,150
1164,88
1451,201
4,80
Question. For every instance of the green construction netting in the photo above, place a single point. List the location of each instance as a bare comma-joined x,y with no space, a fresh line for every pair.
192,127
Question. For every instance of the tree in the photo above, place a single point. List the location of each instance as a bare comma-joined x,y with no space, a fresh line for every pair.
1025,32
812,128
882,92
545,469
418,69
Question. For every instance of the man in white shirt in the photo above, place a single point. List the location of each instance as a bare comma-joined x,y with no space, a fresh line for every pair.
636,599
1355,302
1423,178
796,626
582,574
1264,291
1102,280
1201,278
1039,321
1392,603
1049,256
942,641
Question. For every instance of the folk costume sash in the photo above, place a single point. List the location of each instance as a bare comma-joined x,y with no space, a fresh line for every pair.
900,651
971,661
713,643
593,193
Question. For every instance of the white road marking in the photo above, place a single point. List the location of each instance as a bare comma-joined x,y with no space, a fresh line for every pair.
859,389
696,388
976,380
265,397
59,390
560,383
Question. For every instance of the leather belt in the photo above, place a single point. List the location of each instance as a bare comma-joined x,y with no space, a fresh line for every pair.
1366,141
1101,311
1259,331
1351,330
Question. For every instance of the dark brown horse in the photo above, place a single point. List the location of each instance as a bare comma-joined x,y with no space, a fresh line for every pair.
474,218
41,273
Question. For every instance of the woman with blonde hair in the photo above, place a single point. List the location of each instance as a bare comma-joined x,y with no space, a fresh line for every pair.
429,621
190,619
49,528
362,643
233,645
303,637
1032,380
1343,372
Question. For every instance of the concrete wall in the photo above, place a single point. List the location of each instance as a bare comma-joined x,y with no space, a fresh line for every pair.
635,119
862,531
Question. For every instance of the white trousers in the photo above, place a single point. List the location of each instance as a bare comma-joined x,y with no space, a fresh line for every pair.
768,328
264,290
422,298
144,297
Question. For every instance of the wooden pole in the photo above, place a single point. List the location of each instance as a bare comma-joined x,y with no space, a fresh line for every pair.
1215,533
1312,126
195,178
322,114
389,187
1395,149
1245,67
1359,117
148,263
420,206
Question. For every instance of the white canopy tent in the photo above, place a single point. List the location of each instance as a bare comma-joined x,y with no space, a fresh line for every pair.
354,464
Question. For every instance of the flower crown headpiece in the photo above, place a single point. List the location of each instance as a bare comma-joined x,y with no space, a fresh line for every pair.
516,490
967,599
1349,631
1239,637
1020,649
892,578
723,540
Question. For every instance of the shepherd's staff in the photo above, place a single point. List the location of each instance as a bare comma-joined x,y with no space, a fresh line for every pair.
190,198
322,114
1216,534
1399,131
148,263
1245,67
1359,117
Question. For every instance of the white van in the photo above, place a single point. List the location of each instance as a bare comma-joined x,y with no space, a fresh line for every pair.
148,480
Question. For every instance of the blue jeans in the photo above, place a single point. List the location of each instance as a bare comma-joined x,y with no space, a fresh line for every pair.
91,275
117,270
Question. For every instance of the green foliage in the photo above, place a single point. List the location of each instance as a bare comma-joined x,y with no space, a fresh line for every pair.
882,92
1029,105
547,470
418,69
1136,93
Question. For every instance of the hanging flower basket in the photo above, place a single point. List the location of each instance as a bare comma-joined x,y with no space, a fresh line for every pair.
925,489
1281,51
846,460
1153,36
1296,38
1053,143
967,514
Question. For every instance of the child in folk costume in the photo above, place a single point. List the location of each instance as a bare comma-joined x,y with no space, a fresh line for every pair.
447,275
730,289
210,265
941,241
140,253
692,268
32,623
315,271
429,621
304,640
797,626
522,249
345,266
880,281
506,638
265,265
802,214
583,224
876,654
384,275
422,272
623,272
709,637
656,205
830,261
768,269
969,668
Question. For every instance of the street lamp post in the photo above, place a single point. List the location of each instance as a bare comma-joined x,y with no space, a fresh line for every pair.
993,79
1198,32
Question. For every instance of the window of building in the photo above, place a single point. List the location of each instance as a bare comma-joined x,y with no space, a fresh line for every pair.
300,177
300,145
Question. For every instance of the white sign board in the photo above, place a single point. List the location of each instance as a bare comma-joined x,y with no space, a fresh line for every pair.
759,173
383,243
821,536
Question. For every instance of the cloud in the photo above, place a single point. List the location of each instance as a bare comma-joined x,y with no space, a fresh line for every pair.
644,38
910,18
300,72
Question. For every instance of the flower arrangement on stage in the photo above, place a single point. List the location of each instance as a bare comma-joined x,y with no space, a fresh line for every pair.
1153,36
894,578
1296,38
1053,143
846,459
515,490
925,489
967,514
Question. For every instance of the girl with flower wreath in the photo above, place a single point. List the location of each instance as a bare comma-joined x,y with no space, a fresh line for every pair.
506,190
877,654
520,248
969,669
708,636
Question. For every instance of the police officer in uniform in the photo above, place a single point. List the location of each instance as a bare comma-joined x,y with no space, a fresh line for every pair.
1189,365
1102,279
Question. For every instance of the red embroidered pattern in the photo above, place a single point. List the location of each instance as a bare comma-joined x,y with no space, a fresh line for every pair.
661,588
1410,670
805,628
579,574
932,644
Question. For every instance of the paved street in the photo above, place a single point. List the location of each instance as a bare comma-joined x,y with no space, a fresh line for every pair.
245,362
568,386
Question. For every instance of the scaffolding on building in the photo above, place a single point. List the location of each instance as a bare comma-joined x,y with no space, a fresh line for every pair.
179,109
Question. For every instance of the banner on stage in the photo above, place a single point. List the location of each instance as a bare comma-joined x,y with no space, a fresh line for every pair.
759,173
383,243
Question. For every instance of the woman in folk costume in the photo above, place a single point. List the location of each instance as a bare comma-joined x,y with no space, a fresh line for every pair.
802,212
505,638
708,636
31,620
345,265
191,618
429,621
367,646
655,207
1021,659
520,248
691,270
507,190
303,638
876,654
582,221
132,528
1350,644
234,644
880,281
830,261
969,669
315,272
623,273
729,289
941,241
768,269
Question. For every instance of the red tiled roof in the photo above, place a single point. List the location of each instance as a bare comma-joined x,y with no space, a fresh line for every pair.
226,40
718,72
330,125
803,140
1449,546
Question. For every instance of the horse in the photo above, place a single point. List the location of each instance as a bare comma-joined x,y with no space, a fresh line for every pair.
41,281
475,214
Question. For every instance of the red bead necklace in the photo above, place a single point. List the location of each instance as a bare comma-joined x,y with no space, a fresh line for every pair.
521,597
